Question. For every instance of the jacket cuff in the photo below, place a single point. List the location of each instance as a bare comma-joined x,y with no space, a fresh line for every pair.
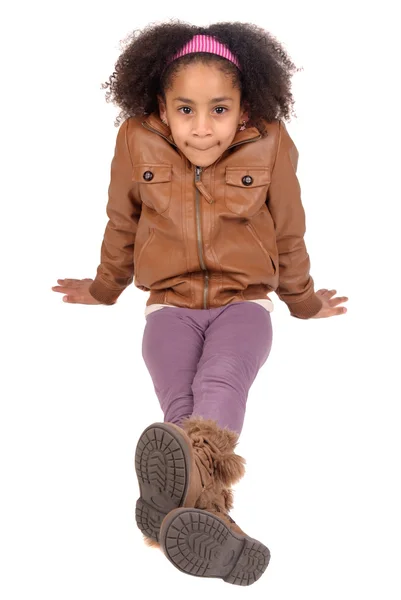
306,308
103,294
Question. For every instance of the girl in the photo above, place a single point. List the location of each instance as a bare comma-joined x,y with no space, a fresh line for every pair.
205,214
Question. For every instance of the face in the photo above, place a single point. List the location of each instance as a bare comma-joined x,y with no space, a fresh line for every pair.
203,111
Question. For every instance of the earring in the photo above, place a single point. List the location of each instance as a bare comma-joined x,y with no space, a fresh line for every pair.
165,122
242,126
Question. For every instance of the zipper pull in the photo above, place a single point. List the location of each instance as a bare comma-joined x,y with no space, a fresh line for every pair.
204,192
200,186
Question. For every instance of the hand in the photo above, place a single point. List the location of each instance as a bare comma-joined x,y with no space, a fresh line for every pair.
329,304
77,291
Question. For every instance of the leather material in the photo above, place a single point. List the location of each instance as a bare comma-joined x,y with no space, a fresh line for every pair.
208,239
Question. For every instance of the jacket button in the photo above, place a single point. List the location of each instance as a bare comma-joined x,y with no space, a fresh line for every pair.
247,180
148,176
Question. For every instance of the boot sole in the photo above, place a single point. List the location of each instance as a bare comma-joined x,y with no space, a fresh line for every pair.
162,464
200,544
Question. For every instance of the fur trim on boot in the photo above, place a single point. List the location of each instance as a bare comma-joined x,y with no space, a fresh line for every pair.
218,465
228,467
151,543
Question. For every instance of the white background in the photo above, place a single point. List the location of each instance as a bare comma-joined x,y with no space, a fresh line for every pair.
321,435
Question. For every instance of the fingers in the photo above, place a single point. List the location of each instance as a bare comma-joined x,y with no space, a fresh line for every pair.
73,299
339,300
67,285
61,288
334,312
76,291
327,296
326,293
67,298
331,293
70,282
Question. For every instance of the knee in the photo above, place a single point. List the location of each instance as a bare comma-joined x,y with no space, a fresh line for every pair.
228,371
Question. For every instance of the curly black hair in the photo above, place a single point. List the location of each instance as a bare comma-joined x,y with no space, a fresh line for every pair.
142,71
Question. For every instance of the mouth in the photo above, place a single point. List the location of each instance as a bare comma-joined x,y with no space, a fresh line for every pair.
202,149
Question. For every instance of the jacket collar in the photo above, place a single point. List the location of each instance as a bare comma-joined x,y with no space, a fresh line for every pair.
154,122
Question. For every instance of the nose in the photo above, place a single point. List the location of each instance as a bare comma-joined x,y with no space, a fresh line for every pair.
201,126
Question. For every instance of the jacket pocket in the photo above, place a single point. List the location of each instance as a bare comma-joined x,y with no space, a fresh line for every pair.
246,189
137,260
266,254
154,185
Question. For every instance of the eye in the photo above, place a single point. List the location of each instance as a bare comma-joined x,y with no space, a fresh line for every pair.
220,110
184,109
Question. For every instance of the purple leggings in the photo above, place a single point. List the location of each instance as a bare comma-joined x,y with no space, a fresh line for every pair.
203,362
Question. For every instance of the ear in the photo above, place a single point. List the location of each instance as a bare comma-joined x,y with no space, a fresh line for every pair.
162,109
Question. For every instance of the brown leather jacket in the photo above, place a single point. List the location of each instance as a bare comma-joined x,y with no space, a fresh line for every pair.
202,238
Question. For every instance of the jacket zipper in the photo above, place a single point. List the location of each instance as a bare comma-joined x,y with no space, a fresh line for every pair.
198,171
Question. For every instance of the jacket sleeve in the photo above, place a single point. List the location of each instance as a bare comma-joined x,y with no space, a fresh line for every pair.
296,286
116,269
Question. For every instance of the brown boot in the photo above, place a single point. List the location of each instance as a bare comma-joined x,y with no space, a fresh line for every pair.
167,475
210,544
188,466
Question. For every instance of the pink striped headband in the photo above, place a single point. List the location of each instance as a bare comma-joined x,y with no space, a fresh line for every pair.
209,44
